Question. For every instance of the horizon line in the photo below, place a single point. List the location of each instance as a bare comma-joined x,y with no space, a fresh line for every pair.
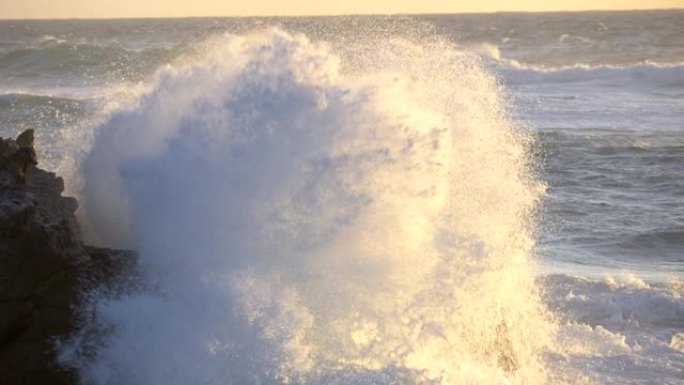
340,15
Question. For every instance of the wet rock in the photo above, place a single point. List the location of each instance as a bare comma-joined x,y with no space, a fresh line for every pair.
44,266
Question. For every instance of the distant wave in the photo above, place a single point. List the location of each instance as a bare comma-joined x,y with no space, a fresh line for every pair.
45,94
671,237
640,74
51,39
669,75
37,97
83,59
570,38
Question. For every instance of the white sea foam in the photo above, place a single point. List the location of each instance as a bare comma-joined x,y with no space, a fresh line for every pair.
627,304
297,223
648,73
677,342
645,74
617,331
651,75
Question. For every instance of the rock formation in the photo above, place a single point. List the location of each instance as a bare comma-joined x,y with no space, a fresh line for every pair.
44,266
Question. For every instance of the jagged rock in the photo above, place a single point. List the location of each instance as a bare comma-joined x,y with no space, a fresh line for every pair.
15,158
26,140
44,266
39,235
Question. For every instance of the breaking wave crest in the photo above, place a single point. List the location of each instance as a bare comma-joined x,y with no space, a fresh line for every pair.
644,74
300,224
647,74
602,322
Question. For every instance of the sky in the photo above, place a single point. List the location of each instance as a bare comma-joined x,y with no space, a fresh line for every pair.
24,9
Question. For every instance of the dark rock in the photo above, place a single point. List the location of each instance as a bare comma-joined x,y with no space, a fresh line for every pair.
15,158
44,267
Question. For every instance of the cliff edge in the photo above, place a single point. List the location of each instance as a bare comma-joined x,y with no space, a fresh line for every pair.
44,266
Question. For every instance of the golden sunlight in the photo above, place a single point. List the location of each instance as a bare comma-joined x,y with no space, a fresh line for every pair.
184,8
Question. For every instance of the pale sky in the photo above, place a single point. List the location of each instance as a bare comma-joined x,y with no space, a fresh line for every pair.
14,9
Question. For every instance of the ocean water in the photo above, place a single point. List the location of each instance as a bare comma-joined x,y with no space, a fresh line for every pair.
444,199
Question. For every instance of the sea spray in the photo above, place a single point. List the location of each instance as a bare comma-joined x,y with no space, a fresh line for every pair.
301,223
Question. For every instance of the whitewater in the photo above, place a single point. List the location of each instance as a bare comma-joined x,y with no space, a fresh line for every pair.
366,200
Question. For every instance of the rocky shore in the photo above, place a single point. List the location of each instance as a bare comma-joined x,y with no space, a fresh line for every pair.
44,267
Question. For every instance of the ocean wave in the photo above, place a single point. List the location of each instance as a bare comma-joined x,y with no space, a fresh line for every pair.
668,244
570,38
83,60
44,96
38,97
623,303
304,225
665,75
618,331
50,40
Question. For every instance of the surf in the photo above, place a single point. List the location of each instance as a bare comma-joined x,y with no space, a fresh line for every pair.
301,218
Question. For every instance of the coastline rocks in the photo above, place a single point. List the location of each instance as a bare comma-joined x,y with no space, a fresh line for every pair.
44,266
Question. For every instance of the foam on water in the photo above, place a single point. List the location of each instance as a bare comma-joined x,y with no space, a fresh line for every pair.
618,330
299,224
651,75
